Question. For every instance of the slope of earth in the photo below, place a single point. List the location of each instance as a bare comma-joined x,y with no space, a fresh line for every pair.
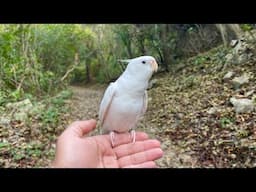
191,113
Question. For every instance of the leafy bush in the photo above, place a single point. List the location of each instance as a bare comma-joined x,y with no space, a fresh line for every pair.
33,58
55,106
246,27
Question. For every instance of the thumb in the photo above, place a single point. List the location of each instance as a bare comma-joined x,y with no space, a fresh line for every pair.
80,128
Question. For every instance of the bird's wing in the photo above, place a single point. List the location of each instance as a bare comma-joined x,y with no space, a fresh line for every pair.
144,107
145,103
106,102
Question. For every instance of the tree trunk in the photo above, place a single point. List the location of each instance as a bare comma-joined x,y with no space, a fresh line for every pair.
87,67
141,38
129,49
225,30
141,45
165,49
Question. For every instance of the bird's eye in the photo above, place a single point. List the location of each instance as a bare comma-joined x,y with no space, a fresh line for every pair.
143,62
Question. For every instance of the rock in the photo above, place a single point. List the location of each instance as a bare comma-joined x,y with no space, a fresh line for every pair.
254,98
250,35
238,81
37,109
25,105
180,116
20,109
186,159
229,58
242,105
247,143
233,43
249,93
242,58
152,83
21,116
4,121
228,75
241,53
233,156
240,47
212,110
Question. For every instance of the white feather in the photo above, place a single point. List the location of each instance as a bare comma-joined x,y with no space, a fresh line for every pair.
125,100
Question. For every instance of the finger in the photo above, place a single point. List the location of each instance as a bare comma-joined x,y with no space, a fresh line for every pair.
149,164
132,148
124,138
80,128
141,157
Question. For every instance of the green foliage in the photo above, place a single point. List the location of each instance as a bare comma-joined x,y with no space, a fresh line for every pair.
225,121
18,154
3,97
246,27
55,107
50,116
200,60
34,57
242,133
188,82
79,74
26,151
20,71
38,60
4,145
16,95
111,71
65,94
60,43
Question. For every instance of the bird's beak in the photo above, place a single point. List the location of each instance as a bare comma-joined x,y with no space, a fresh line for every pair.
154,65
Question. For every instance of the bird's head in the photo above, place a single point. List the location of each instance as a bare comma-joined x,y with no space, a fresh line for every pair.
144,66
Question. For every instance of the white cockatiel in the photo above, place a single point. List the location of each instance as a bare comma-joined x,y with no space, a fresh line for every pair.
125,100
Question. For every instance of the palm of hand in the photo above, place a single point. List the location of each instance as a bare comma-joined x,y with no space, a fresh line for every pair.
76,150
97,152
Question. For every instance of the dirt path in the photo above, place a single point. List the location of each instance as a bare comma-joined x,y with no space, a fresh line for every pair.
85,104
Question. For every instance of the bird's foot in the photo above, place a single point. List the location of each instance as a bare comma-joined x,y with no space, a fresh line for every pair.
112,136
133,135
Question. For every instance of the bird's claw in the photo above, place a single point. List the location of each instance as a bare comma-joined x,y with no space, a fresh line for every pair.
112,136
133,135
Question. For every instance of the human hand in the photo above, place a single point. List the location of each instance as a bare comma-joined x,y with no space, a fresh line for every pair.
76,150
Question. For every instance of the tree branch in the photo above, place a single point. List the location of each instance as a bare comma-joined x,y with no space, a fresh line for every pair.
74,66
